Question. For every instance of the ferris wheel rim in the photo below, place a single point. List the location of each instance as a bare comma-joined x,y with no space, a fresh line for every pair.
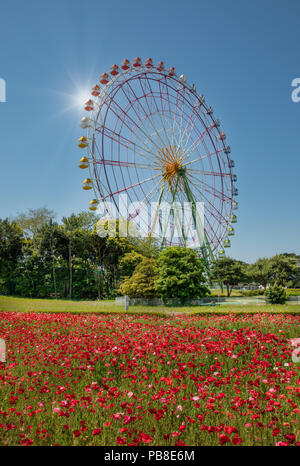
113,87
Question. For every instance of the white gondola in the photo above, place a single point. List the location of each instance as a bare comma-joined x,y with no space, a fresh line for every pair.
235,205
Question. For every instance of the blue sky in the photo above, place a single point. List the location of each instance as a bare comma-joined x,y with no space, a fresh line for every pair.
242,55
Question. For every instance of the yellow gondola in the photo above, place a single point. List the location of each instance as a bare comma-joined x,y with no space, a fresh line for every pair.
83,142
83,163
94,204
87,184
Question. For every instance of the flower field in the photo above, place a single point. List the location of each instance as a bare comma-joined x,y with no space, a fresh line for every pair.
149,380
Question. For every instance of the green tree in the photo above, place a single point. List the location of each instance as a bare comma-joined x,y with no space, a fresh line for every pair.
180,275
276,294
11,244
47,239
283,269
141,283
32,220
147,247
32,275
230,271
260,272
128,263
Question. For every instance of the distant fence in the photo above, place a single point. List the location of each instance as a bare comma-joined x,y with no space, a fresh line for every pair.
209,301
170,302
294,299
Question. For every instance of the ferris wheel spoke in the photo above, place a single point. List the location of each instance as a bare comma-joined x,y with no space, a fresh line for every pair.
200,139
174,139
125,142
202,172
217,212
149,196
131,123
157,111
202,157
127,188
167,94
181,116
175,122
207,222
189,129
162,115
124,164
214,233
212,190
148,117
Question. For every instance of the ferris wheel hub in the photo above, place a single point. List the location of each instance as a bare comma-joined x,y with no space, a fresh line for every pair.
169,160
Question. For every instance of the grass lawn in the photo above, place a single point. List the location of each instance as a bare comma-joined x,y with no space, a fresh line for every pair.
8,303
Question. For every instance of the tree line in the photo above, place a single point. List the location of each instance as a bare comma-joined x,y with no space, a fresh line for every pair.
40,257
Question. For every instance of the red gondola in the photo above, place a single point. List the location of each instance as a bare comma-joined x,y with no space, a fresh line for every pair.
137,62
104,78
125,64
114,70
96,90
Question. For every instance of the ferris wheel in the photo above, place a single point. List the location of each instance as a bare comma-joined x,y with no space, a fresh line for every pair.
149,135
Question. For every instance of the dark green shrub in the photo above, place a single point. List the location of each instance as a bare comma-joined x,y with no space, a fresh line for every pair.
180,275
276,294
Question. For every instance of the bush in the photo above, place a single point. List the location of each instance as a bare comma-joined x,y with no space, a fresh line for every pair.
141,283
128,263
180,275
276,294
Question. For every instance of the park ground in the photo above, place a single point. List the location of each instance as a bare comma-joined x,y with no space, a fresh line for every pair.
248,305
118,379
89,373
